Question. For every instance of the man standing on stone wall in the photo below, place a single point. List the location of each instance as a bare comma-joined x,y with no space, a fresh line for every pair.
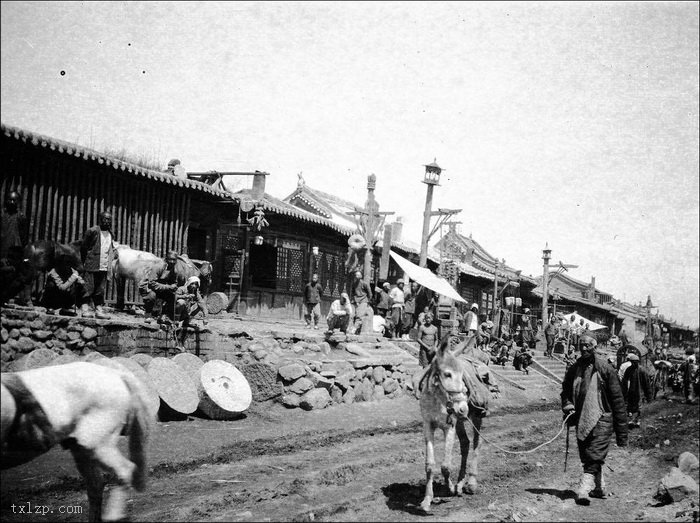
312,301
97,251
360,297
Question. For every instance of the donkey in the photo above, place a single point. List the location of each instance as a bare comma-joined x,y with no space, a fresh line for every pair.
135,265
445,404
84,407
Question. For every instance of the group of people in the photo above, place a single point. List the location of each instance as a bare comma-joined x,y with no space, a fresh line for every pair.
386,310
568,332
68,290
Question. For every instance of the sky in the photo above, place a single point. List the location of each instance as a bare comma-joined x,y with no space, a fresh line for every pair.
568,124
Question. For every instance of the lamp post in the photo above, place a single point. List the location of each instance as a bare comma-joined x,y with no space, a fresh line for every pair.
648,307
546,255
495,291
431,179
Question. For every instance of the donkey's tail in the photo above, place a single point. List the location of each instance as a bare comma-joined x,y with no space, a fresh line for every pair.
139,429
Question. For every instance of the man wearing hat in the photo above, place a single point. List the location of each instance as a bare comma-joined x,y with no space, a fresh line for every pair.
397,303
471,320
527,338
340,313
591,394
383,300
635,380
189,301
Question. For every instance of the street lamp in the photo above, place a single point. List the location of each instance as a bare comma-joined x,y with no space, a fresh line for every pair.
546,255
431,179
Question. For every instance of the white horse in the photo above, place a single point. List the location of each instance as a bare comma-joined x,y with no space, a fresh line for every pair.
444,404
84,407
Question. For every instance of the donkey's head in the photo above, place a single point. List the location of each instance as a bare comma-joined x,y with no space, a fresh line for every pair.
448,375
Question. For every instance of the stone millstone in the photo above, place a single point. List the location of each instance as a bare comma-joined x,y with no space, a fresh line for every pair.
217,302
223,390
190,364
63,359
173,384
151,394
35,359
142,359
93,356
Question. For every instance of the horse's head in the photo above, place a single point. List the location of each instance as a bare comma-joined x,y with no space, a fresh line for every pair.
448,374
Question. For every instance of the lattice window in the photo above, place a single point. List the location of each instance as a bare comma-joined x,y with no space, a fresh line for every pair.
296,271
326,278
282,268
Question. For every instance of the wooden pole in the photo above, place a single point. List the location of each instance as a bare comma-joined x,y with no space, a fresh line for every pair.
496,301
545,284
426,226
386,249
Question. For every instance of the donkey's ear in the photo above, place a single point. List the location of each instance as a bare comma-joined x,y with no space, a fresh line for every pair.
467,344
444,344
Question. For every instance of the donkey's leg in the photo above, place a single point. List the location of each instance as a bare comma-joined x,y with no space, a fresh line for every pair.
120,283
464,451
112,460
94,480
473,464
447,460
429,435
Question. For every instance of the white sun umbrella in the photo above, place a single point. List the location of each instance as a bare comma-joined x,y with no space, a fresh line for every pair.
427,278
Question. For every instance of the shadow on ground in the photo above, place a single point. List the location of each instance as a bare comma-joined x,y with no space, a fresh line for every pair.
561,494
407,497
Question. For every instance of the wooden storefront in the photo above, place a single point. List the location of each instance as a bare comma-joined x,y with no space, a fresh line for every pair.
64,187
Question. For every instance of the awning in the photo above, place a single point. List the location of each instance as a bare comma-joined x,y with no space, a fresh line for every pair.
426,278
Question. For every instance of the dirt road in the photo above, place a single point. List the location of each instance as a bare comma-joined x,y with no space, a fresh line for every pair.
366,463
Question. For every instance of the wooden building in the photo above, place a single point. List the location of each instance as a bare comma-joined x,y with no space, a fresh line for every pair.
65,186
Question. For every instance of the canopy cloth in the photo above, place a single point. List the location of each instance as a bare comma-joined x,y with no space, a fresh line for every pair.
426,278
577,317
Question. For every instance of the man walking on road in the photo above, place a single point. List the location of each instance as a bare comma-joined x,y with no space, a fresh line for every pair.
312,300
591,393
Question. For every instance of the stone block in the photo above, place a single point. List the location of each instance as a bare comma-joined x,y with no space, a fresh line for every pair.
301,385
688,463
378,374
344,379
291,400
42,335
25,331
678,486
390,385
349,396
315,399
262,379
357,349
36,324
25,344
89,334
291,372
4,335
14,334
320,382
336,394
378,392
260,354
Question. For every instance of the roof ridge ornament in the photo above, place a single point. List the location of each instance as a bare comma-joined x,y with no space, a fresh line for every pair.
300,182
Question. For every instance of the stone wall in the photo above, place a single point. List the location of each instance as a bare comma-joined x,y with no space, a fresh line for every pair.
305,370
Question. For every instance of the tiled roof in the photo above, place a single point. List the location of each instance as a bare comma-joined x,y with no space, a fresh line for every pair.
71,149
326,205
270,203
537,291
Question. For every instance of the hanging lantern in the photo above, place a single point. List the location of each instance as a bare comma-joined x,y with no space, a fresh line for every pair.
258,240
